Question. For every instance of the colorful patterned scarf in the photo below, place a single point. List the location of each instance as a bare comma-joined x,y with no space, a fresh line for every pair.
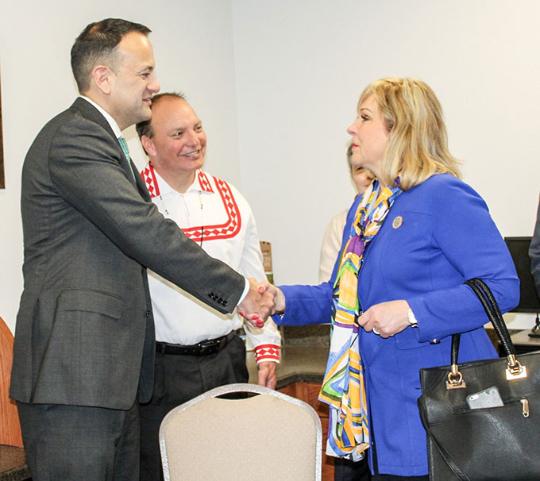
343,385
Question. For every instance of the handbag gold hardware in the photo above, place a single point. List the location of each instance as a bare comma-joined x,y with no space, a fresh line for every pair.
455,379
514,369
525,407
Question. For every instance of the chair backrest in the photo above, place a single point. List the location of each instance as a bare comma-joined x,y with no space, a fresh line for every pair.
10,429
267,437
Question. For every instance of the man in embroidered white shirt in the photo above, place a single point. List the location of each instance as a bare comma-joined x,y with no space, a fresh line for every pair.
196,347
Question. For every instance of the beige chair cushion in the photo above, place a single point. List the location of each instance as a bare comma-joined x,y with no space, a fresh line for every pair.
262,438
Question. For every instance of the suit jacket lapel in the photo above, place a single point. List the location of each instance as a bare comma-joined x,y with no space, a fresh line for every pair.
87,110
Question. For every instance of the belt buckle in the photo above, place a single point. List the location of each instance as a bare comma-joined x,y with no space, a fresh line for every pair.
209,346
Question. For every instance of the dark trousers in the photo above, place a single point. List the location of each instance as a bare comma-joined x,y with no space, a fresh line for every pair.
77,443
345,470
178,379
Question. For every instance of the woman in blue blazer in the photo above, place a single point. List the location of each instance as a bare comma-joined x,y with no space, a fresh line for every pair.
397,292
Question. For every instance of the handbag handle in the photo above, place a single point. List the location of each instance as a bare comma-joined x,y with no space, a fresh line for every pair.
493,312
514,369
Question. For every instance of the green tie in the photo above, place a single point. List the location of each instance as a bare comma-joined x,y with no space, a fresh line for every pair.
124,146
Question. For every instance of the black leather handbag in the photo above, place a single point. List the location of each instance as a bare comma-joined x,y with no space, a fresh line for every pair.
483,418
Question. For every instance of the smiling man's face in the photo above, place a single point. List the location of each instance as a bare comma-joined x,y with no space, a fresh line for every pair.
178,144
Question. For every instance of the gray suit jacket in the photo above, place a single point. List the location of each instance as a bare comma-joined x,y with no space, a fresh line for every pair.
85,333
534,252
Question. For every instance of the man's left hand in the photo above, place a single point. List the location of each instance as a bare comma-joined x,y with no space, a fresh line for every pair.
267,374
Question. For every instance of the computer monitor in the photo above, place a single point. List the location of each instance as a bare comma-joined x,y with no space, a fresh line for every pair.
519,249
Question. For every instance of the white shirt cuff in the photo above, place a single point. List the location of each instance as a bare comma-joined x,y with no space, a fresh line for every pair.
245,292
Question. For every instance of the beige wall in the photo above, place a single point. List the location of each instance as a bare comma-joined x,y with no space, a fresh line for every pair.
302,65
193,47
276,84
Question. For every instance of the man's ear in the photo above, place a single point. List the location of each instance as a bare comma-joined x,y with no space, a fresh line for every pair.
148,146
103,78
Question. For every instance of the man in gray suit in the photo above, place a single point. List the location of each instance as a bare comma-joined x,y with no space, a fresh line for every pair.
84,340
534,252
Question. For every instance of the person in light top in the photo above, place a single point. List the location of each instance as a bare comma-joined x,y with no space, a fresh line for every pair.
196,347
362,179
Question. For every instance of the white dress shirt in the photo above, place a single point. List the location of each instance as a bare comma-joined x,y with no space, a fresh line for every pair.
216,216
108,117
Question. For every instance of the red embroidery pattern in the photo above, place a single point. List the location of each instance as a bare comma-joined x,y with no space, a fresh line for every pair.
267,352
149,179
204,182
219,231
228,229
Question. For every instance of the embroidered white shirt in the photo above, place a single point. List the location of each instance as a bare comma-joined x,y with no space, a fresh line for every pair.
216,216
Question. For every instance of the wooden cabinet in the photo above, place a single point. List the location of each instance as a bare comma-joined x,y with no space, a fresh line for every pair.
309,392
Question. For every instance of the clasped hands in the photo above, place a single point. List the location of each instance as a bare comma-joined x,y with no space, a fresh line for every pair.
262,300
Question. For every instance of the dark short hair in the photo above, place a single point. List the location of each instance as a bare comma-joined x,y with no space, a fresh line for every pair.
96,41
145,127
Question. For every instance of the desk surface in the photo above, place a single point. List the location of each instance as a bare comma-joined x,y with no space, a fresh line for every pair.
522,339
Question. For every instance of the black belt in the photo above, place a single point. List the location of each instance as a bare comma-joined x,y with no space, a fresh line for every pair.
203,348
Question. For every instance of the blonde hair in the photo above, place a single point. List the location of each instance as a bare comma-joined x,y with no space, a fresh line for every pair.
417,145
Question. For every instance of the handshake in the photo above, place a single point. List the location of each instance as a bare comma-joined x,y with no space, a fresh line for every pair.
262,300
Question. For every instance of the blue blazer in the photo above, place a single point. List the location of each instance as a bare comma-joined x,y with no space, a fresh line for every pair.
446,237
